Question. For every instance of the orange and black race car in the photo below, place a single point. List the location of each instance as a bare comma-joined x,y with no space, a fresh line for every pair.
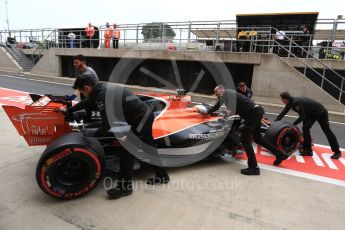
75,161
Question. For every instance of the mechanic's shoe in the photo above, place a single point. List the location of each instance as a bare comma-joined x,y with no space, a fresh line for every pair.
306,153
279,160
336,155
164,179
251,171
121,189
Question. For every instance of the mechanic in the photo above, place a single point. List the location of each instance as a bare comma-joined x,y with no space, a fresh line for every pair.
133,110
79,63
252,115
243,89
309,111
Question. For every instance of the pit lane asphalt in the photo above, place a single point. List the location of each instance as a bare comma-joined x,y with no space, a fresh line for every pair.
207,195
40,87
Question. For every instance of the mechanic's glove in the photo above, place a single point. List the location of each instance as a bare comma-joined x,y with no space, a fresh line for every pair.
200,109
68,116
70,97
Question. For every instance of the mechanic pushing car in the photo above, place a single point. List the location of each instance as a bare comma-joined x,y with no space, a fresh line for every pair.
309,111
244,90
252,115
79,63
133,110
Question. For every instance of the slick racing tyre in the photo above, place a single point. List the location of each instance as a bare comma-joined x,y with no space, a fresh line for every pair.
69,170
285,136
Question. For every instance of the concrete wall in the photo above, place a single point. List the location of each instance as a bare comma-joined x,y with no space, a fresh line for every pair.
334,64
271,75
7,63
49,64
274,76
161,54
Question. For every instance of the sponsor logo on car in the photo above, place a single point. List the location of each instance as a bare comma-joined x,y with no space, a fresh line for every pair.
32,116
211,135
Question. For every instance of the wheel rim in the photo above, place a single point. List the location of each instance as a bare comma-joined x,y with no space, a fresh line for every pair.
289,141
71,172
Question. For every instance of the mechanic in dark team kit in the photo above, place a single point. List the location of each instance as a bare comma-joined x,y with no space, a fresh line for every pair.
252,115
244,90
134,111
310,111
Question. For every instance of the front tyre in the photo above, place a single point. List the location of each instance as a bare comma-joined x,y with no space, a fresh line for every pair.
285,136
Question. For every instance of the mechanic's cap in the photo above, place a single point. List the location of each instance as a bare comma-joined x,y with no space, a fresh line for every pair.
84,80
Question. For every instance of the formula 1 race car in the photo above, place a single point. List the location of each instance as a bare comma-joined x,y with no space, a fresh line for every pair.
75,161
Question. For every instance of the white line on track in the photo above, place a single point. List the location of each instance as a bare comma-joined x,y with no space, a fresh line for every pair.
291,172
333,122
276,114
14,90
24,78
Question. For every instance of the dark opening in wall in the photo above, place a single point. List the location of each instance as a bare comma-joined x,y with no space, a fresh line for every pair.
188,71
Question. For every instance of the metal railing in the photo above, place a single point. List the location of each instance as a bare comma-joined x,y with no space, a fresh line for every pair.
185,33
42,47
198,35
10,49
306,66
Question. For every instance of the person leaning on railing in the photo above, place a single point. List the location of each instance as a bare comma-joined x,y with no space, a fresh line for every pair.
90,32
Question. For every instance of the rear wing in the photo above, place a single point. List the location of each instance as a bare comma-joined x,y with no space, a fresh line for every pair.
38,123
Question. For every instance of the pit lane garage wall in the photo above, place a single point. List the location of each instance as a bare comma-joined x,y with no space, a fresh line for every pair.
274,76
7,63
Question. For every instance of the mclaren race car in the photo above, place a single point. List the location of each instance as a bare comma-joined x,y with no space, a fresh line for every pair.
74,161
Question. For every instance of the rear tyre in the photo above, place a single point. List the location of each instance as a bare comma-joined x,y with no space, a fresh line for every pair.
69,171
284,136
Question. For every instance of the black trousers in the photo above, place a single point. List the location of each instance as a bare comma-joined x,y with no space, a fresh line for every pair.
127,159
251,130
89,42
322,119
115,43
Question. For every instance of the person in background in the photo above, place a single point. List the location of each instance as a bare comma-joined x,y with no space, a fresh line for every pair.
305,30
116,36
108,34
90,32
279,37
305,39
244,90
309,111
71,36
